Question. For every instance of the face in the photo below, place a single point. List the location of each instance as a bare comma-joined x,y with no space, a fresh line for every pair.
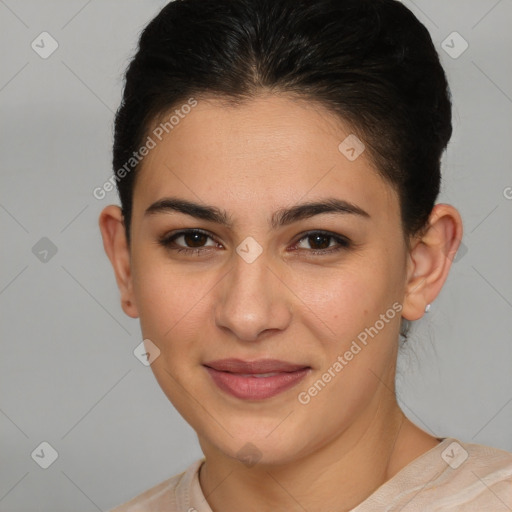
259,276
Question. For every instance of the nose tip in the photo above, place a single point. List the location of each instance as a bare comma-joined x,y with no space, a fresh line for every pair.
252,302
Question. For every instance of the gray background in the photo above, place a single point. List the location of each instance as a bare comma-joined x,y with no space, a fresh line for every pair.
68,373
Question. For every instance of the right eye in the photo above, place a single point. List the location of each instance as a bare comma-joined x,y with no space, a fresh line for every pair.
194,240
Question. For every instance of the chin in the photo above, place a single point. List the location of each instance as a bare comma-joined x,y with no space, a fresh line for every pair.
266,443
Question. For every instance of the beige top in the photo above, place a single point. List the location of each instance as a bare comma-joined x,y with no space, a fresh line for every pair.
452,476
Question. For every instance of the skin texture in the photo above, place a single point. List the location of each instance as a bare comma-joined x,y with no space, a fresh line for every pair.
251,160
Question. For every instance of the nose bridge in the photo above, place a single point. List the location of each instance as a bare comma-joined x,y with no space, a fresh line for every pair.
252,298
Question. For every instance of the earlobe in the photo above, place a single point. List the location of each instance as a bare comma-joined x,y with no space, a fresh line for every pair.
112,229
430,260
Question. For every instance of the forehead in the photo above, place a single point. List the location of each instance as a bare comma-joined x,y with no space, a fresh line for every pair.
272,149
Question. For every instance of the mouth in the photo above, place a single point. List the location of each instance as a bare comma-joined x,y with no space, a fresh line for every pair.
255,380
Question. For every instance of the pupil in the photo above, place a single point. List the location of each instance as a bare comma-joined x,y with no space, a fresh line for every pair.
196,238
319,237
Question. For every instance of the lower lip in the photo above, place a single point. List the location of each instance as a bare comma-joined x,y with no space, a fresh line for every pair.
256,388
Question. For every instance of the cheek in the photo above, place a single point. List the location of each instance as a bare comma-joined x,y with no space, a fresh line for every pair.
168,299
338,303
172,314
363,310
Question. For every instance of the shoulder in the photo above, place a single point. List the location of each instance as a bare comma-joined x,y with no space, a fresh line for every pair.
466,477
453,476
476,475
163,496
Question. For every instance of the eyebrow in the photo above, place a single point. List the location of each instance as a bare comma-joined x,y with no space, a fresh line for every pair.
282,217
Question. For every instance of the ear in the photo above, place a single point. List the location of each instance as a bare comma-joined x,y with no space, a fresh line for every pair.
430,258
112,228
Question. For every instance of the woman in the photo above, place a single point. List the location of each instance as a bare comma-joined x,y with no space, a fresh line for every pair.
278,163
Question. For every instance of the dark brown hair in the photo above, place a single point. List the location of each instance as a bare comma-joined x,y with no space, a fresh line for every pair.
370,61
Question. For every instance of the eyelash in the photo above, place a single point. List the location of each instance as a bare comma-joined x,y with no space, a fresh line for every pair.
167,241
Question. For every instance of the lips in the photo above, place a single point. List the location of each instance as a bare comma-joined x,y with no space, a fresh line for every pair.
255,380
254,367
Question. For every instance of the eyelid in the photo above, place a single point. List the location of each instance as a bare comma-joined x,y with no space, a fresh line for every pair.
168,238
323,232
343,242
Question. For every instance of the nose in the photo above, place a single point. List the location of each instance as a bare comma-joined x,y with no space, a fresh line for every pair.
252,300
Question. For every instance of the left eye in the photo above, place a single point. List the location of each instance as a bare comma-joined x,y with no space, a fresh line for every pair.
322,240
195,240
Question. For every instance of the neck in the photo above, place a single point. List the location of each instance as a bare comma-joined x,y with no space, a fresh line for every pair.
337,476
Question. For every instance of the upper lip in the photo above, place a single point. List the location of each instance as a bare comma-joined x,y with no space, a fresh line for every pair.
254,367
